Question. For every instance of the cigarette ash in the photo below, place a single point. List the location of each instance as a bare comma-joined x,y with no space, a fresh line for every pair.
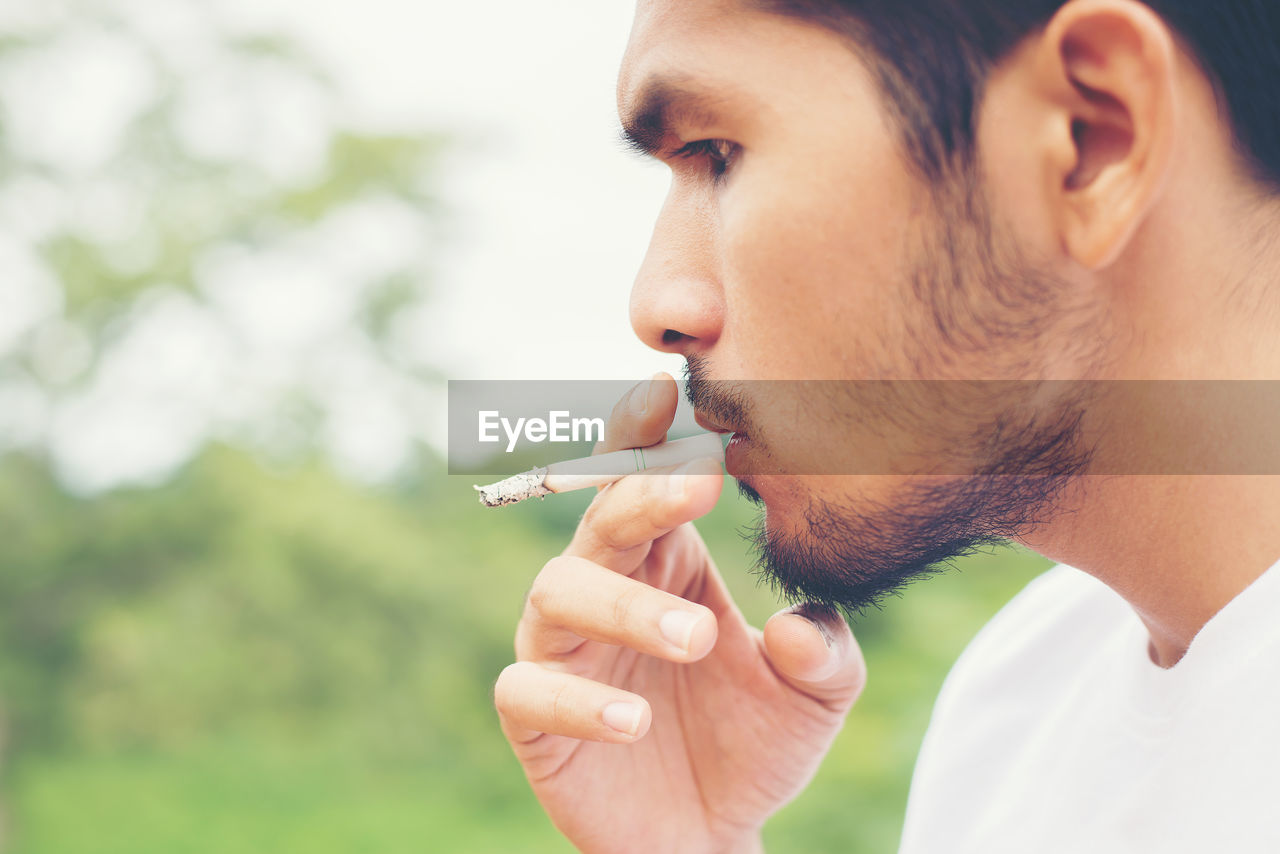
513,489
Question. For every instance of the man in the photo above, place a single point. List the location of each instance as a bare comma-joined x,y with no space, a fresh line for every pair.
1008,191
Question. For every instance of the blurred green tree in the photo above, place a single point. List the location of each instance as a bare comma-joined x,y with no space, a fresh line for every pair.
177,193
207,650
163,174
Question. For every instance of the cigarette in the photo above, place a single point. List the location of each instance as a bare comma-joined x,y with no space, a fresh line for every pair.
600,469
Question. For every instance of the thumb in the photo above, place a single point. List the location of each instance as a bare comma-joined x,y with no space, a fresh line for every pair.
812,649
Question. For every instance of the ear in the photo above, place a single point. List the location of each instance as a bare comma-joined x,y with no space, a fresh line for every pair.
1109,68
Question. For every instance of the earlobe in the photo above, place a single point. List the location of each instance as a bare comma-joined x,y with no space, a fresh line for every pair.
1114,61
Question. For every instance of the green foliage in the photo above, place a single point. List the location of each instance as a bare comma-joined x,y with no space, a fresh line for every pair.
154,214
358,165
255,659
248,660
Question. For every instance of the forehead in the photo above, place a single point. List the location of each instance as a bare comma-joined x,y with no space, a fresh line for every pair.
722,43
663,30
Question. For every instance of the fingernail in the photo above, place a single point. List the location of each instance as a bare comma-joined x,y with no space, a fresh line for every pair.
833,650
623,717
824,631
648,389
641,396
817,616
677,628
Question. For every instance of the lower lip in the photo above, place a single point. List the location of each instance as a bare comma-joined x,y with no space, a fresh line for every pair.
735,454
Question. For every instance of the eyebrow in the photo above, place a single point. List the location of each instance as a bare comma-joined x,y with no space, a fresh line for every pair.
662,102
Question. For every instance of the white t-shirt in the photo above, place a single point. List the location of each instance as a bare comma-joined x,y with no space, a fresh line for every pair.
1055,732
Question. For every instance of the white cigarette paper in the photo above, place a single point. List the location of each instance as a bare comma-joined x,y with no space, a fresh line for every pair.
598,470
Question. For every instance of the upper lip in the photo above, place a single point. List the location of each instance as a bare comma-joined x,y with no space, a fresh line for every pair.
707,423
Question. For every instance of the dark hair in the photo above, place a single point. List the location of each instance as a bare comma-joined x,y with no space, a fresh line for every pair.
933,57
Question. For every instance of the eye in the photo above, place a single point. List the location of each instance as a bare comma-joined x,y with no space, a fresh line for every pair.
719,154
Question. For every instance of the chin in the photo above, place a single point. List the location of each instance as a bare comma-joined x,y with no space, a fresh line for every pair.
794,504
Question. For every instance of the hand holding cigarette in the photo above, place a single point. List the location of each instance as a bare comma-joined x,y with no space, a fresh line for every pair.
633,629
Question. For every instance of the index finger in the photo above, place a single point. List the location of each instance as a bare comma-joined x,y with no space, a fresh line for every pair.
638,509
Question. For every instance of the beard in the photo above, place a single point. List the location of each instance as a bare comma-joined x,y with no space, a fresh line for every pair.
1021,451
851,556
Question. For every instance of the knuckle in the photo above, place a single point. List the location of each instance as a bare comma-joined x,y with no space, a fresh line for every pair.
561,706
522,641
591,516
537,599
555,566
666,514
502,686
599,531
625,606
542,592
609,536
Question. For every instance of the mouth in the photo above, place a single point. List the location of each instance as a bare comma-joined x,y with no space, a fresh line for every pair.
735,459
706,422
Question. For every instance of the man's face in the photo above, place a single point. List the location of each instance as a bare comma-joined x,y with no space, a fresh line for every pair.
797,243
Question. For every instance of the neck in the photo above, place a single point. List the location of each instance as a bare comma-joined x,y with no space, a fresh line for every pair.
1177,549
1196,299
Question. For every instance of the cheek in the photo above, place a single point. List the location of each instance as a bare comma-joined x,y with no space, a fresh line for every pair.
812,243
1026,151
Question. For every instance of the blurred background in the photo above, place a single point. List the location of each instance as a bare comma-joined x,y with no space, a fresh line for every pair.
243,245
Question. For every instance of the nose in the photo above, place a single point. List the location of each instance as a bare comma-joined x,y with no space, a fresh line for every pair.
677,303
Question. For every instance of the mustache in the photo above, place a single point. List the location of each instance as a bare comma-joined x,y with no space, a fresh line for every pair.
723,402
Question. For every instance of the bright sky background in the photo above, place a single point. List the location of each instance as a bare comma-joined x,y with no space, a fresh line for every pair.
549,221
553,217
